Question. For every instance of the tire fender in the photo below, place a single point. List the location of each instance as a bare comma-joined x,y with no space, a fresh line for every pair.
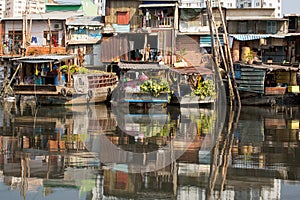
63,92
90,94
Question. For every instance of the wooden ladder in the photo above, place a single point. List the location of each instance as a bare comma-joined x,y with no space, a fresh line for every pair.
222,54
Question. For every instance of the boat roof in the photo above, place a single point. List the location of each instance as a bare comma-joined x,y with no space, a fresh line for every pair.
193,70
272,67
141,65
44,58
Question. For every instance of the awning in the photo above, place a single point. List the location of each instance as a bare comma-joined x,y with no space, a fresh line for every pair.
154,5
205,41
247,37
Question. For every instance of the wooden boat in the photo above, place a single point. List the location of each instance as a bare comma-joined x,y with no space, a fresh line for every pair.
267,84
134,75
188,81
181,84
52,79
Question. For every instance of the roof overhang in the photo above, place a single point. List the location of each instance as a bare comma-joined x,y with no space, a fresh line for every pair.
155,5
44,58
77,42
249,37
257,18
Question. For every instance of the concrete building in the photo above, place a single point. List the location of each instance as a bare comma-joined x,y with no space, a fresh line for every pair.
15,8
202,3
276,4
2,8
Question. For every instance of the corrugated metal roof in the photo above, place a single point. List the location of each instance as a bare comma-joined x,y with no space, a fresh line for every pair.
54,15
84,21
44,58
89,41
141,65
155,5
69,2
261,18
248,37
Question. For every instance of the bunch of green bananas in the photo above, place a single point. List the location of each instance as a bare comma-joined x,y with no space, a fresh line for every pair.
205,89
155,87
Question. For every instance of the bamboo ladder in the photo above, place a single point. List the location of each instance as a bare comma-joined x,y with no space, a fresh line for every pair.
220,162
218,52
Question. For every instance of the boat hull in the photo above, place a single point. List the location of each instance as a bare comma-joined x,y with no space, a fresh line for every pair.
98,95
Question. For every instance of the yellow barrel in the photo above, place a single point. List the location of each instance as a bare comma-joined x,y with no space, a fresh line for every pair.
245,52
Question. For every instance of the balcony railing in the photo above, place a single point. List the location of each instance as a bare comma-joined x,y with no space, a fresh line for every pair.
141,22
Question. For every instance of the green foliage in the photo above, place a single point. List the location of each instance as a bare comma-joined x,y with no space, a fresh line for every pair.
74,69
155,87
205,89
83,70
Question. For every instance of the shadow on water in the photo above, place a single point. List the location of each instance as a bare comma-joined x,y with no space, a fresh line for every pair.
95,152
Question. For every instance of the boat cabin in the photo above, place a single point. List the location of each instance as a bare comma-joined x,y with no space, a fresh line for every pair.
141,82
42,74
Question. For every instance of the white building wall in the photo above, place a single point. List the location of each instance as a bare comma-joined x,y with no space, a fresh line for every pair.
38,28
277,4
262,4
101,6
15,8
2,8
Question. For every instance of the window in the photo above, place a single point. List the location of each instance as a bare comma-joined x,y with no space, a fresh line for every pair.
123,17
54,40
270,4
16,40
257,4
242,27
271,26
204,20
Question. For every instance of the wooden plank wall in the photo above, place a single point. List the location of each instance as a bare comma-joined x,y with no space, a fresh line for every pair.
115,6
252,79
114,49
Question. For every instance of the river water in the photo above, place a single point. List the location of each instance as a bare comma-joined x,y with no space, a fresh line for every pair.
109,152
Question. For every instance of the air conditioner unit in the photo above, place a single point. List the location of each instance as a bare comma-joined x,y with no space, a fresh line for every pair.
57,26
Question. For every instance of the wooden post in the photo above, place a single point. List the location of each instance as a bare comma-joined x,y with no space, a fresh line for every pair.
1,36
50,65
13,38
50,33
28,37
69,74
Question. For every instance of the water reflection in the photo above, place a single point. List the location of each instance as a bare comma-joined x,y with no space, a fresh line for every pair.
94,152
